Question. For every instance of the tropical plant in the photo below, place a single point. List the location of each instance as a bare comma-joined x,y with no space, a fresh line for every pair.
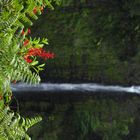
13,126
19,58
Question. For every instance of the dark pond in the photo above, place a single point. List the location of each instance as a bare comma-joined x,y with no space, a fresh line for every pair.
80,111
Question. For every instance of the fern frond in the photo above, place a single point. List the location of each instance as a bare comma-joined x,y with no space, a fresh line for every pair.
8,23
13,126
21,72
14,15
29,122
25,20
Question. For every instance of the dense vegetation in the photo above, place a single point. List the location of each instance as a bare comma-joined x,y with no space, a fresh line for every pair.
94,41
18,60
97,117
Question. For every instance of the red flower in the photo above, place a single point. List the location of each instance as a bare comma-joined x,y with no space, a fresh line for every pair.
26,42
1,97
47,55
38,52
29,31
35,10
35,51
22,32
27,59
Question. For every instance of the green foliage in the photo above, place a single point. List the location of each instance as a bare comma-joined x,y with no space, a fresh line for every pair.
16,15
12,126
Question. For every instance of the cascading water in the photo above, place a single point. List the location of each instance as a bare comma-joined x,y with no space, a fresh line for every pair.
90,87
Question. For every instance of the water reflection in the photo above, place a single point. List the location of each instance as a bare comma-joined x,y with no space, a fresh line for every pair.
71,114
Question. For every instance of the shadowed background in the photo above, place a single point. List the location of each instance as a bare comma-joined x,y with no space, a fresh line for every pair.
94,41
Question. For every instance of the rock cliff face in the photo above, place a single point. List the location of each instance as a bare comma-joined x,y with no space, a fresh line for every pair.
96,41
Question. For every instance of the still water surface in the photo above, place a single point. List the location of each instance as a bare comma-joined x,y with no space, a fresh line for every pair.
81,111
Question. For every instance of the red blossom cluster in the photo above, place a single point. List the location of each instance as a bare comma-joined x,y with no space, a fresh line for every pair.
28,32
35,51
35,10
38,52
41,9
1,97
26,42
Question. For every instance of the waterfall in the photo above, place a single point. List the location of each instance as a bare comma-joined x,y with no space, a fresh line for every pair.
83,87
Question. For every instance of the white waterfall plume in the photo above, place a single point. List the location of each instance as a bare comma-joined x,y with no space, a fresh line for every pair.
89,87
